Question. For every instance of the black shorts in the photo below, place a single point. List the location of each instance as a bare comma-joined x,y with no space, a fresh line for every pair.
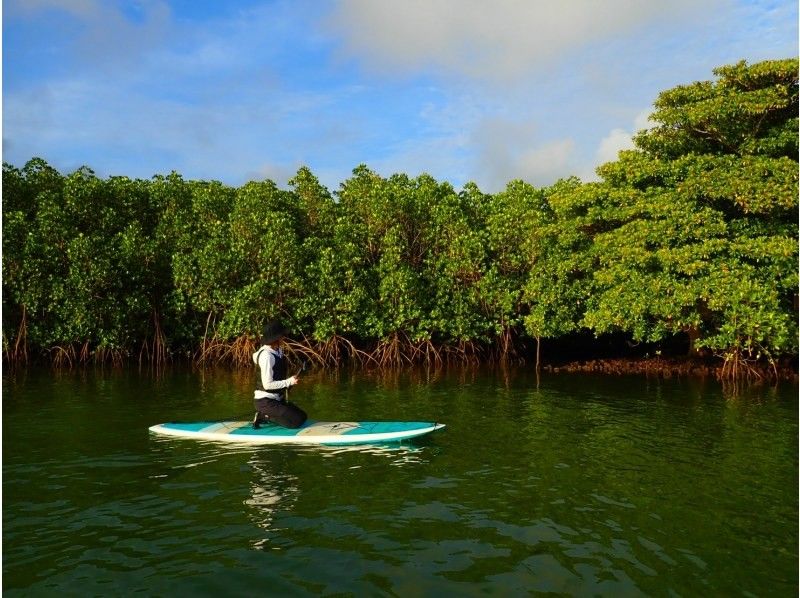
283,414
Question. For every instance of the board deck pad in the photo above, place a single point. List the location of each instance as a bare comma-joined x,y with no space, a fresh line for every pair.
311,432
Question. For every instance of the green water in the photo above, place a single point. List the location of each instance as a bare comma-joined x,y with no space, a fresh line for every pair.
575,485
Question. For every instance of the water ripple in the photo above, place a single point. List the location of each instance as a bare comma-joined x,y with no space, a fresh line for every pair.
576,486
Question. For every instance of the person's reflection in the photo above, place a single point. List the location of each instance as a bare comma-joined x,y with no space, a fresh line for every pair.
275,485
273,489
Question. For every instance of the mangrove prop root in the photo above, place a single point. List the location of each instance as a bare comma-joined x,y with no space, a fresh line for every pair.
397,350
21,344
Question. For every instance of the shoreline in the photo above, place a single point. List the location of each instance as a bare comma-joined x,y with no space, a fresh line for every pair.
784,370
676,367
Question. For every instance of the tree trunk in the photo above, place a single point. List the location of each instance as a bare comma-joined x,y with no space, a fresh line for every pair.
694,334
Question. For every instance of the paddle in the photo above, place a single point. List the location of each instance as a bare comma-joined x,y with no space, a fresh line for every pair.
303,368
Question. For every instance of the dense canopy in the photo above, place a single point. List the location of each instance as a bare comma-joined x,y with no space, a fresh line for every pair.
694,232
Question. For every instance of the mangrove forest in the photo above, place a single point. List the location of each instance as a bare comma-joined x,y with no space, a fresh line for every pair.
690,239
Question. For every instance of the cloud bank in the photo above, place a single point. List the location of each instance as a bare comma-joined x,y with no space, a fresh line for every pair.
462,89
498,41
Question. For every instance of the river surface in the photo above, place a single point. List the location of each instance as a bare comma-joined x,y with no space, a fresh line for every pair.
570,484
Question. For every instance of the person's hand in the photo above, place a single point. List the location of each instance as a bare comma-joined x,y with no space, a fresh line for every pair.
294,380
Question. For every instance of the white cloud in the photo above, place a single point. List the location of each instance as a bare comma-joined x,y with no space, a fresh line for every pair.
278,173
642,120
545,164
498,41
467,90
507,149
617,140
613,143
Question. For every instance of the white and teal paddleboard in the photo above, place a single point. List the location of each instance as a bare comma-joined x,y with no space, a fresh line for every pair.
309,433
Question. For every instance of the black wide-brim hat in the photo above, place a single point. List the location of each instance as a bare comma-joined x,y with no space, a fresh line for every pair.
273,331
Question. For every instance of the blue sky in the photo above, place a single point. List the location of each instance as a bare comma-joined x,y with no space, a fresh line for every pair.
465,90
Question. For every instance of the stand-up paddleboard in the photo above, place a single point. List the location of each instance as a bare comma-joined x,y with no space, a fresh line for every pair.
309,433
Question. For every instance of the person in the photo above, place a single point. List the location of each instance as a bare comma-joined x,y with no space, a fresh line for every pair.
272,382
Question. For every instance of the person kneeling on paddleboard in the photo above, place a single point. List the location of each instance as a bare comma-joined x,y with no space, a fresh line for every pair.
271,382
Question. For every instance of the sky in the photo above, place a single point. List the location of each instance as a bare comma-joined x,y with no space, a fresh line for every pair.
464,90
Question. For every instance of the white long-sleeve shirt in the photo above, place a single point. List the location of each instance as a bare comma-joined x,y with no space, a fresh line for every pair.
265,359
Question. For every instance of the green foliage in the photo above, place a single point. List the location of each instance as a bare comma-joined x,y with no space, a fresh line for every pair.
560,255
693,232
455,265
31,266
696,230
749,110
264,260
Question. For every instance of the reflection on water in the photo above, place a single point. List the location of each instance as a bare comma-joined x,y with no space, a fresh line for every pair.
275,489
395,454
573,485
272,489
